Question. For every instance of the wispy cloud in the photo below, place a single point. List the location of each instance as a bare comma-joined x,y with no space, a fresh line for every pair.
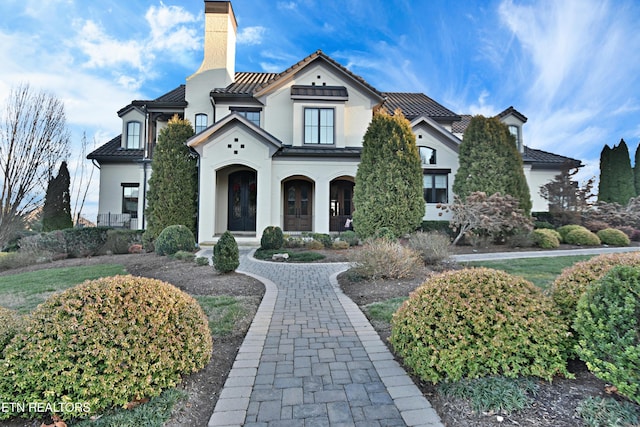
251,35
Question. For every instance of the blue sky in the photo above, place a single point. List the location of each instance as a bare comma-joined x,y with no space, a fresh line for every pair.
571,66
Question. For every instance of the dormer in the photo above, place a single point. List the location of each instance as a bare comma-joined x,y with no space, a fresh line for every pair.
514,121
133,120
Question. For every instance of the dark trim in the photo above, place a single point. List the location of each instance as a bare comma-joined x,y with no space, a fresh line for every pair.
438,171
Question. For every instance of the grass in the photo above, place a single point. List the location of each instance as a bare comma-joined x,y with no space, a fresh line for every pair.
152,414
24,291
222,311
539,271
384,310
497,394
294,256
607,412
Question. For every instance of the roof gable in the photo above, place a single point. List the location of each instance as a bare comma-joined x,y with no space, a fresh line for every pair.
317,57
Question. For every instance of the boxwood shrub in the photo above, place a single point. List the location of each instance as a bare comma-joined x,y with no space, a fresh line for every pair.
611,236
272,238
175,238
546,238
582,237
479,322
608,322
226,257
106,342
566,229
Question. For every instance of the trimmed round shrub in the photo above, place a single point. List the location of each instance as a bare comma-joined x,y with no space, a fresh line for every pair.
272,238
10,324
106,342
479,322
175,238
566,229
350,237
546,238
340,244
611,236
582,237
608,322
226,257
569,286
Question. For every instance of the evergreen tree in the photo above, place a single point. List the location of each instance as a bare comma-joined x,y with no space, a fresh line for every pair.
604,185
172,194
636,170
56,213
623,177
489,162
388,186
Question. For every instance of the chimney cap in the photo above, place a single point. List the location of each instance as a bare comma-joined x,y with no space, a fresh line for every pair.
222,7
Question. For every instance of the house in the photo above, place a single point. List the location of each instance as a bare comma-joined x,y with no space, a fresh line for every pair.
282,148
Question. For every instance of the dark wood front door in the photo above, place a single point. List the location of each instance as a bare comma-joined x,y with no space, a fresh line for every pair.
297,206
242,201
340,204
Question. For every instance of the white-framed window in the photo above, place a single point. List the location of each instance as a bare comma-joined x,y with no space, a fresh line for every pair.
133,135
251,114
319,126
515,131
427,155
202,121
436,187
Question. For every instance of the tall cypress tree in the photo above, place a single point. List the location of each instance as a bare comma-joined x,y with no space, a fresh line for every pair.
606,172
172,196
56,213
489,161
623,176
636,170
388,191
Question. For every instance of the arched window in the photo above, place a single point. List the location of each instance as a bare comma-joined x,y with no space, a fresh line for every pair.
133,135
427,155
201,122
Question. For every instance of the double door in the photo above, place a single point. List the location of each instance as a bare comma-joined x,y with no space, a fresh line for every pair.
298,206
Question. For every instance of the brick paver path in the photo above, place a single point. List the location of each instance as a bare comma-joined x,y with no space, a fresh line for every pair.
311,358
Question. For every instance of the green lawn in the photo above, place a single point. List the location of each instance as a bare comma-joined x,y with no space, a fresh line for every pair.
539,271
23,292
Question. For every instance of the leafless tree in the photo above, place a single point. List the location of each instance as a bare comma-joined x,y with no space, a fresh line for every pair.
33,138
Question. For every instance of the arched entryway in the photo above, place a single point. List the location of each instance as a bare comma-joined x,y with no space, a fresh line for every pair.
298,205
340,203
242,199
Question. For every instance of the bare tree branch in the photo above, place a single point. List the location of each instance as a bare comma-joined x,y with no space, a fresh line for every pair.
33,138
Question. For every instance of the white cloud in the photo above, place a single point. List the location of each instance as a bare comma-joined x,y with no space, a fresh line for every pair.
104,51
251,35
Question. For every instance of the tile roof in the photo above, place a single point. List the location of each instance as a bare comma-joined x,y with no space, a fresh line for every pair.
513,111
461,125
417,104
246,83
112,151
543,159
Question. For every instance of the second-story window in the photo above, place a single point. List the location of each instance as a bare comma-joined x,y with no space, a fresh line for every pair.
427,155
201,122
318,126
133,135
515,131
251,114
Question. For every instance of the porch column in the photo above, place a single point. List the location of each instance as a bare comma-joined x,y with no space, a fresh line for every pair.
321,207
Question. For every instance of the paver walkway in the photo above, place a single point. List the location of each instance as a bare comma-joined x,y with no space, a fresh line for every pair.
311,358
